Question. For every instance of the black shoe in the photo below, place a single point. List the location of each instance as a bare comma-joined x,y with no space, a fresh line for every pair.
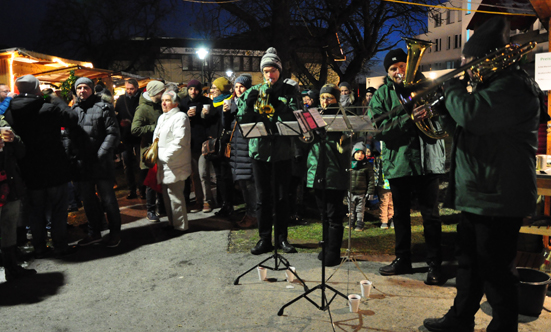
286,247
225,211
262,247
398,266
434,276
446,324
132,195
152,216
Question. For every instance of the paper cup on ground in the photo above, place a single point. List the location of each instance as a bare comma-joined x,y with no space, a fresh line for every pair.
262,273
366,288
290,275
354,302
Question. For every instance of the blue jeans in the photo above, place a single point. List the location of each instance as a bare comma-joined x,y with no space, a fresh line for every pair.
94,209
42,201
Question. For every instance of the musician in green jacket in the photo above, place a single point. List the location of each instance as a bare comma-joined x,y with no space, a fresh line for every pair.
492,182
272,153
413,163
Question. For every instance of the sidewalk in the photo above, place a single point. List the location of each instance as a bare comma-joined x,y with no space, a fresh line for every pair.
157,282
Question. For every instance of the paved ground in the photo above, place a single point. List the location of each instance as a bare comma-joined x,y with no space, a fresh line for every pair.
156,281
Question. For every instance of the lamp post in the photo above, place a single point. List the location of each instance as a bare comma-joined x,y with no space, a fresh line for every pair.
202,54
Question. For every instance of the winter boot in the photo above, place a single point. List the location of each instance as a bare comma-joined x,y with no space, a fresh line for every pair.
333,245
12,270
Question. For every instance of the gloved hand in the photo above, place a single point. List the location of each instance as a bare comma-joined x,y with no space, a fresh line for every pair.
251,98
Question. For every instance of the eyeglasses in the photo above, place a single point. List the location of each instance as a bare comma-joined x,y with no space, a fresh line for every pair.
327,98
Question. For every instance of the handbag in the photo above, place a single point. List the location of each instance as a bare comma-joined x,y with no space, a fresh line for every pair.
227,152
151,180
151,155
210,146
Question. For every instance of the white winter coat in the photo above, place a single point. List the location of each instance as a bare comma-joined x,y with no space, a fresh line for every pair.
174,132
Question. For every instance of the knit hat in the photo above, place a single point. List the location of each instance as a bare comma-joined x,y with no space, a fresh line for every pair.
223,84
194,84
270,59
489,37
359,146
330,89
341,84
371,90
84,80
153,88
313,94
245,79
28,84
394,56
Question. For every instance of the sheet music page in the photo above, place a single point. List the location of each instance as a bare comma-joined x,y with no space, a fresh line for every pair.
252,130
317,117
289,128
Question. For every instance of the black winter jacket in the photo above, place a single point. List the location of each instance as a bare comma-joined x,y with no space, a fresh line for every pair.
197,123
39,123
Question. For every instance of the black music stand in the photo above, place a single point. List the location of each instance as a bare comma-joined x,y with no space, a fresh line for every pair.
254,130
322,165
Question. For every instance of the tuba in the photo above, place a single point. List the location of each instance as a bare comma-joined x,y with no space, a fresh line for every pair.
431,125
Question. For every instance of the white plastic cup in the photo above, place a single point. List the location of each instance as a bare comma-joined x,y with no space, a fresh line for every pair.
366,288
2,130
289,274
541,161
354,302
262,273
207,106
227,102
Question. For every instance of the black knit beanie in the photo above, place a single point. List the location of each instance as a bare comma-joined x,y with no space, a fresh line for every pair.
394,56
489,37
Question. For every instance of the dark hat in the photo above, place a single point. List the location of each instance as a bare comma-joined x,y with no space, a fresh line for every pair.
223,84
270,59
245,79
341,84
332,90
370,90
84,80
313,94
194,84
28,84
489,37
394,56
304,93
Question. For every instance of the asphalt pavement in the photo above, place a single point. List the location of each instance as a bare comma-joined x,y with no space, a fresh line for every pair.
160,281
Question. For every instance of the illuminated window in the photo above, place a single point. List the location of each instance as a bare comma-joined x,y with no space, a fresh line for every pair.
468,7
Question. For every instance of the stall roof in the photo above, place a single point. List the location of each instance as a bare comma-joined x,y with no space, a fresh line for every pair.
23,55
62,74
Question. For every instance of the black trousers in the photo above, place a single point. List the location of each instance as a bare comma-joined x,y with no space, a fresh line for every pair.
426,187
486,265
263,178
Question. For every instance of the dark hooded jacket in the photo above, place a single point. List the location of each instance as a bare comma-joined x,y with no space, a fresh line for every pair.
198,125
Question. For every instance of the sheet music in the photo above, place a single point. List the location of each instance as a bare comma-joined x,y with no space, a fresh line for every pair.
358,123
309,119
289,128
252,130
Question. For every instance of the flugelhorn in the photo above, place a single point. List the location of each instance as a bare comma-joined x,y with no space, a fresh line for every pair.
262,105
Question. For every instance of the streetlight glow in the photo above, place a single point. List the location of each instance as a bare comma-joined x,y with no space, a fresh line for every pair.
229,73
202,53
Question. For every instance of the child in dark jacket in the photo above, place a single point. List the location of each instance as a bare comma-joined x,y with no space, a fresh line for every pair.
362,185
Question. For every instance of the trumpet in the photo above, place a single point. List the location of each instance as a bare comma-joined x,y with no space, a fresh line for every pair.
262,104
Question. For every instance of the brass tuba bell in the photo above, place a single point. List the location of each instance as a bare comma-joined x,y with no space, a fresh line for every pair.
430,126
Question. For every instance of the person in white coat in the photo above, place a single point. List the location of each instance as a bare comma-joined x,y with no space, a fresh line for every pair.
174,163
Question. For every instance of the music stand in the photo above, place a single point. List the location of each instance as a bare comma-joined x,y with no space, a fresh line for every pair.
350,123
307,124
256,130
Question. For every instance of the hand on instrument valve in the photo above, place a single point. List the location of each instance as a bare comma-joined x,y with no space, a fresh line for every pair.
421,113
251,98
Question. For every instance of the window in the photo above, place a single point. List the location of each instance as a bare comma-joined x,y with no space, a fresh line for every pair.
256,64
237,63
438,45
217,63
186,62
437,20
227,62
457,41
449,44
449,65
247,61
459,16
449,16
468,7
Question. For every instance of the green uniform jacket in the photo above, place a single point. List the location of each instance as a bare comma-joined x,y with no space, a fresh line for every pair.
407,152
493,154
261,148
145,120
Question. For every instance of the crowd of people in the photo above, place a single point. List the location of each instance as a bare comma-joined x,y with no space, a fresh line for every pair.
198,137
